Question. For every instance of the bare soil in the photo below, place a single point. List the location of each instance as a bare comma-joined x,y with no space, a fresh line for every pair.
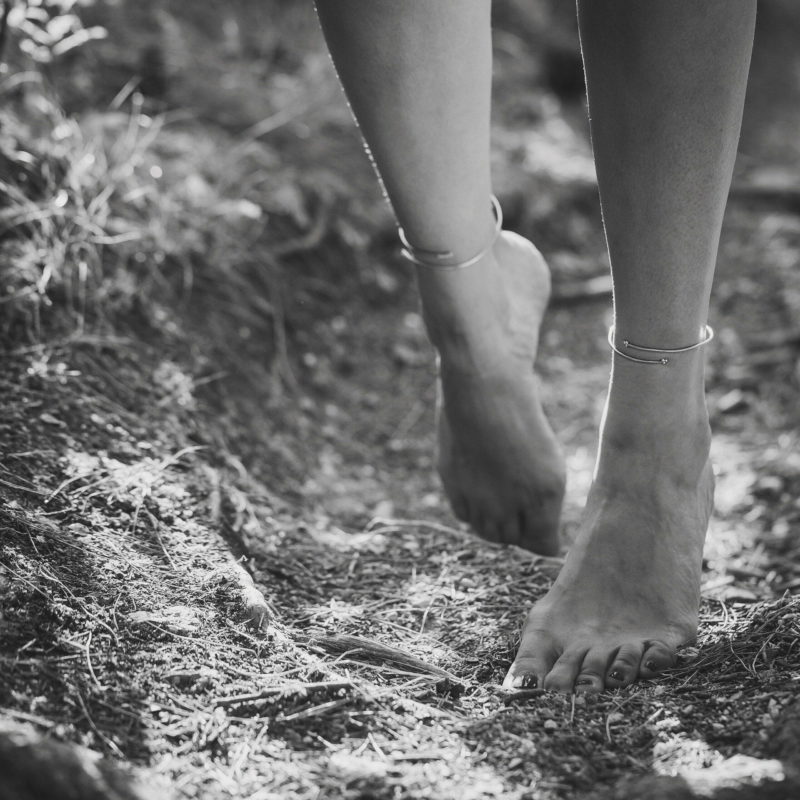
145,471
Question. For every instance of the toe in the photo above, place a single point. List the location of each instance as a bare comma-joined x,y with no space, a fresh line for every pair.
624,668
657,657
591,678
535,658
494,524
564,673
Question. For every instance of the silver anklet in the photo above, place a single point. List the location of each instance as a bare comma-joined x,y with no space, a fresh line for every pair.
433,258
708,335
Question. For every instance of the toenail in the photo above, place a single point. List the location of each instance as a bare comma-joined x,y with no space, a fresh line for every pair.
616,675
527,680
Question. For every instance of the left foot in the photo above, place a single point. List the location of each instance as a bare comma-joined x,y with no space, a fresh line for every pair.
499,461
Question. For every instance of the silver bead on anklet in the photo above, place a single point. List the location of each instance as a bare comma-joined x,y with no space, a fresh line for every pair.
708,335
439,259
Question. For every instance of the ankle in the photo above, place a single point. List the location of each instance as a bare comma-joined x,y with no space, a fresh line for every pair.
658,414
691,434
677,446
487,314
465,312
656,393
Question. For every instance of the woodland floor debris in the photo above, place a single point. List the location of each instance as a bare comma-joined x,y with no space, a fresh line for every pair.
225,559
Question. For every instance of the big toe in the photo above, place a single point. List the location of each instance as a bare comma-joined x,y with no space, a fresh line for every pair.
535,659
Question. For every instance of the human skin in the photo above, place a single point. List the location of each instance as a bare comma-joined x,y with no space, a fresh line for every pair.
666,82
418,78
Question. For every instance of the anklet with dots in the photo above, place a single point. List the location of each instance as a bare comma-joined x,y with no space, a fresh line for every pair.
708,335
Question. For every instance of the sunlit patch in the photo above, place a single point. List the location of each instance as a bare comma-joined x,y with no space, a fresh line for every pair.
336,612
111,478
177,386
350,767
556,151
180,619
705,769
580,468
734,474
347,493
423,591
732,550
338,539
677,753
580,465
373,771
41,366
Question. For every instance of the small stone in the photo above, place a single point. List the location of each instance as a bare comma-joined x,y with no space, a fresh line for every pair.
550,725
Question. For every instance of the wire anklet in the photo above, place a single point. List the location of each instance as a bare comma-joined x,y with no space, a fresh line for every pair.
708,335
438,259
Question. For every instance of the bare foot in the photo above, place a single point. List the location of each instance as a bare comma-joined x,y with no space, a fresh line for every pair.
500,463
629,591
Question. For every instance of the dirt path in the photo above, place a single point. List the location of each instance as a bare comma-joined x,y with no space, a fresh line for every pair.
125,481
365,662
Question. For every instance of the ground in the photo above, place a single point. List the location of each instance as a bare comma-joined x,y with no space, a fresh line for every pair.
259,405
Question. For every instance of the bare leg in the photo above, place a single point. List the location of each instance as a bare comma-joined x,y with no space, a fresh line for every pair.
666,84
418,77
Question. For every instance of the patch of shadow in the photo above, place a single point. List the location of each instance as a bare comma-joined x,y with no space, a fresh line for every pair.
64,666
33,766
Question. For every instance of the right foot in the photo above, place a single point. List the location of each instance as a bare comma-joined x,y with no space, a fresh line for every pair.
628,594
500,463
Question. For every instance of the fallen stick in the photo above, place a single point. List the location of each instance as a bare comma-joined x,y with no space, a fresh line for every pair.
252,599
371,651
286,688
